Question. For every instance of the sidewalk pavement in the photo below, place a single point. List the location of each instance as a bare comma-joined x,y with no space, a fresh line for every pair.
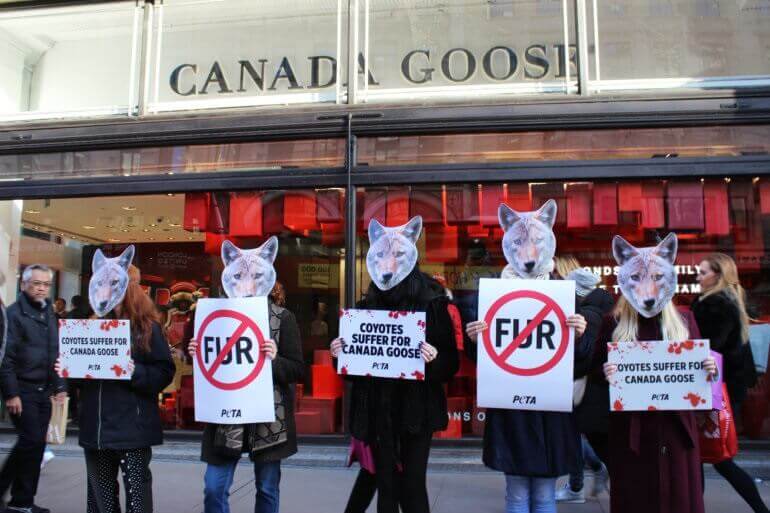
177,488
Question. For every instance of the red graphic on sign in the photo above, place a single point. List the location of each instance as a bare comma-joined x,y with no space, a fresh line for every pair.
245,324
549,306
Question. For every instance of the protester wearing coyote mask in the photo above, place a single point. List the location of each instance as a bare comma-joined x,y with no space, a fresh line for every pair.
396,419
119,419
653,456
532,448
250,273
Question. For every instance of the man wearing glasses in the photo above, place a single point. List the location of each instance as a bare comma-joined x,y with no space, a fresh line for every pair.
27,381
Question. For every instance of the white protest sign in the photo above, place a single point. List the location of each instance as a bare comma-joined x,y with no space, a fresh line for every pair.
95,348
382,343
525,357
659,375
233,377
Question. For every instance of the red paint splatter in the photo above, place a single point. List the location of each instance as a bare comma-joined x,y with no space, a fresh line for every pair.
108,325
618,405
694,399
651,408
61,323
344,370
419,376
341,312
65,373
688,344
118,370
88,376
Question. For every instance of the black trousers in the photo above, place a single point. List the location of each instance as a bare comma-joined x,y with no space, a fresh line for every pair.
406,487
102,467
21,471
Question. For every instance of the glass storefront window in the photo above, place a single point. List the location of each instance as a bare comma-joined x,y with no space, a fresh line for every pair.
464,49
178,240
636,143
203,158
70,61
678,44
238,53
461,242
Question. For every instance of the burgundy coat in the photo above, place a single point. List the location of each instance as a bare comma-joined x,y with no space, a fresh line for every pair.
654,458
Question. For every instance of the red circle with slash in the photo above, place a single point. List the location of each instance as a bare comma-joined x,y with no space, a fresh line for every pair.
245,324
549,306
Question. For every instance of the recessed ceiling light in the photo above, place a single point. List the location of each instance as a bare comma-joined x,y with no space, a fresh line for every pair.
174,225
88,227
145,230
171,238
189,238
169,194
170,173
128,208
152,238
153,225
32,211
114,240
124,230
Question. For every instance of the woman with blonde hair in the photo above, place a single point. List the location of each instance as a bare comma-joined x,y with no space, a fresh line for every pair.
721,315
654,460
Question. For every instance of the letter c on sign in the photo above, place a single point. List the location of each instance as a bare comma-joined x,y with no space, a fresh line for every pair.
174,81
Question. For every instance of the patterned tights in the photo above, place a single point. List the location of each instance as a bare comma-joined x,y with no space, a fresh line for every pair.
103,492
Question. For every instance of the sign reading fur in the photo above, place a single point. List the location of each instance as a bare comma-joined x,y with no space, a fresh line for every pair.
529,243
249,272
647,277
392,252
109,280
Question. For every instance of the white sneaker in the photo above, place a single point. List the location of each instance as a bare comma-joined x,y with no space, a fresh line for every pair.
601,481
569,496
47,456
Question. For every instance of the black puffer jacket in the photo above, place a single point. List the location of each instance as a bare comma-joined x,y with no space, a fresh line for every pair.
118,414
32,347
719,321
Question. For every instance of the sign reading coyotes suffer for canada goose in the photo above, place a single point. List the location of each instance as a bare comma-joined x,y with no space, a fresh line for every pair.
233,377
525,357
659,375
382,344
95,349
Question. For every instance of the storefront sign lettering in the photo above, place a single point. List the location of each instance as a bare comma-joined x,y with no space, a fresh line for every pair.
418,67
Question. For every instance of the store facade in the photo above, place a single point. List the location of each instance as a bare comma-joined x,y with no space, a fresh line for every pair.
176,125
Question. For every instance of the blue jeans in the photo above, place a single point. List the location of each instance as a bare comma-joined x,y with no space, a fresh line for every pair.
219,479
530,494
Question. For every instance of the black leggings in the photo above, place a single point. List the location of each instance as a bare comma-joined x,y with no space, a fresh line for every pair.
407,488
742,483
103,494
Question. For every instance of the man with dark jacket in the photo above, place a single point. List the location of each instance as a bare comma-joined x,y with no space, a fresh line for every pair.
27,381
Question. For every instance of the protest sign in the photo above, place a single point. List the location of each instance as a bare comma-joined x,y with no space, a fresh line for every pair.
525,357
659,375
233,377
95,348
382,344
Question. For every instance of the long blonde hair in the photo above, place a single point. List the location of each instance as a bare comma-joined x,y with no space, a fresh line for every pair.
671,325
724,266
565,265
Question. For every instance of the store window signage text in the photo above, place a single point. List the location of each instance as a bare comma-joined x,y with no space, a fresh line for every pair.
418,67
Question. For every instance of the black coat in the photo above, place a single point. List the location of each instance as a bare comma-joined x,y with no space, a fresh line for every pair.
537,443
719,321
593,412
123,414
382,409
288,369
32,347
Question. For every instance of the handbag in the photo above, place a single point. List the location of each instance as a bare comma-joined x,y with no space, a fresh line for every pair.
716,428
57,426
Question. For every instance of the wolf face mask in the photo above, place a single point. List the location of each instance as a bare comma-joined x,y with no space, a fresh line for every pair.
529,243
392,252
647,276
249,272
109,280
